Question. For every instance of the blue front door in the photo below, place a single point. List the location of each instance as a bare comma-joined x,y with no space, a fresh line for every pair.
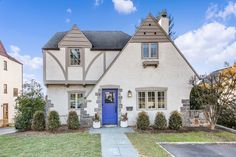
109,107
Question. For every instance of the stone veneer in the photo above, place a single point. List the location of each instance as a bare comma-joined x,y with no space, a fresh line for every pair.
192,118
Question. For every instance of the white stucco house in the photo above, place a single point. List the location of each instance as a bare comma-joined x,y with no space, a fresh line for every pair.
111,72
11,77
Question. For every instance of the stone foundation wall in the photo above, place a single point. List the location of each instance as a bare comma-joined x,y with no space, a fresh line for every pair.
192,118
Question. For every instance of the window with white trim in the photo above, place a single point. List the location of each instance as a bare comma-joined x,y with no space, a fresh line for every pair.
149,51
151,99
76,100
75,56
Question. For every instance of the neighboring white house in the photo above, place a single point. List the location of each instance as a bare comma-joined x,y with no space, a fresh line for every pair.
110,72
10,86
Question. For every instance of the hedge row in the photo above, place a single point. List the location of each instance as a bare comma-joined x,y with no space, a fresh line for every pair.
175,121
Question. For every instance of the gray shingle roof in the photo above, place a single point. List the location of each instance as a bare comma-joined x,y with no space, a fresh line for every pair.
101,40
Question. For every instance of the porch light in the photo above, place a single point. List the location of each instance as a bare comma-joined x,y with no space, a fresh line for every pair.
129,93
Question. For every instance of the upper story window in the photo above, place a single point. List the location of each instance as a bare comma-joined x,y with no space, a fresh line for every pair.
5,88
76,100
75,56
151,99
15,92
5,65
149,51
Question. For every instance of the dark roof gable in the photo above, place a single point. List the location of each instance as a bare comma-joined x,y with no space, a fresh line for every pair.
3,52
101,40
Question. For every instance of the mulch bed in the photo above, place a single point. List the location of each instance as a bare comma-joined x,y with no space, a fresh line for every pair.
182,130
63,129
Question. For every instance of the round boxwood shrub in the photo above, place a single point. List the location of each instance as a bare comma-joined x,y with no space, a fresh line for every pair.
160,121
143,121
53,121
38,123
175,121
73,120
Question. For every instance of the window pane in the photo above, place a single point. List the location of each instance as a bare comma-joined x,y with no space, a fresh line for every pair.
15,92
161,99
154,50
151,100
5,65
74,57
72,100
80,100
145,50
109,97
5,88
141,100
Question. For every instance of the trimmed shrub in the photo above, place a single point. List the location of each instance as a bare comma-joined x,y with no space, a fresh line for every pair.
73,120
53,121
21,122
160,121
39,123
175,121
143,121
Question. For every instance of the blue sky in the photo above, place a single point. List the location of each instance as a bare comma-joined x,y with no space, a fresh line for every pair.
205,29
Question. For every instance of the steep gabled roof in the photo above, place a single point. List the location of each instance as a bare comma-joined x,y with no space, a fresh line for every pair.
100,40
3,52
166,39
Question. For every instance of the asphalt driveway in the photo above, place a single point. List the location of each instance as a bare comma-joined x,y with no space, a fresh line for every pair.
201,150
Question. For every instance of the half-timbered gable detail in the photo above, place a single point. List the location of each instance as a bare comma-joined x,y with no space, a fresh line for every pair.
149,32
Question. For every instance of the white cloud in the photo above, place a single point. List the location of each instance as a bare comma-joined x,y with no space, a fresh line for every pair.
31,62
124,6
209,46
68,20
69,11
98,2
213,11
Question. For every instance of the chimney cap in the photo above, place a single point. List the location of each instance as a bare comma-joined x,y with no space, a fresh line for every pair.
164,13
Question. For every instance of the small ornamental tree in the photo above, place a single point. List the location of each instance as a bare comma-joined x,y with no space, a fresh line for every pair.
53,121
160,121
219,93
39,123
143,121
30,101
73,120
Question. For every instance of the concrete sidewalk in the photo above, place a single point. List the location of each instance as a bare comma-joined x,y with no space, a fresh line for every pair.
4,131
115,143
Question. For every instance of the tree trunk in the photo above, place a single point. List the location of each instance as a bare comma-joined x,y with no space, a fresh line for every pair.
212,126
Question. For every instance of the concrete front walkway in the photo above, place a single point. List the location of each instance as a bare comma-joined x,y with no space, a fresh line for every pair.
115,143
4,131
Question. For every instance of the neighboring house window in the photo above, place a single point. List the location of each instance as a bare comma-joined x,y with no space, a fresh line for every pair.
15,92
152,99
5,88
5,65
150,50
75,56
76,100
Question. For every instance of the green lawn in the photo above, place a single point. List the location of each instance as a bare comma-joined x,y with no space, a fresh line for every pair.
53,145
145,143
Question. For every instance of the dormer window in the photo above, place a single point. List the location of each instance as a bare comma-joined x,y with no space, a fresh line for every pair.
149,51
75,57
